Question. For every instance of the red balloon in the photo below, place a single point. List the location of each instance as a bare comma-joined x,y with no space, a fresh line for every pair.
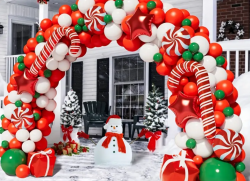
75,16
184,81
85,38
236,108
26,49
131,45
90,45
15,144
203,29
55,19
42,124
120,40
22,171
6,101
50,116
170,60
16,70
31,44
159,16
101,1
56,75
12,80
198,160
11,87
226,86
225,64
159,4
47,131
219,118
65,9
220,105
53,84
143,7
194,22
12,129
105,41
185,13
84,50
47,34
163,69
190,30
29,59
41,145
124,25
174,16
172,98
95,40
45,24
38,111
233,97
5,123
215,50
230,75
240,177
190,89
27,105
53,28
2,151
144,1
40,33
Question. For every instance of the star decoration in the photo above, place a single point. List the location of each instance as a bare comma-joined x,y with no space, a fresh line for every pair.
26,83
140,24
184,108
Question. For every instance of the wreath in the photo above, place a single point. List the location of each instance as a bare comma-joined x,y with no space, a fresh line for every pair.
42,1
232,28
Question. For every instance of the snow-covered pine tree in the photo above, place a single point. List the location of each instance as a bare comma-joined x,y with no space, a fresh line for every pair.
71,114
156,111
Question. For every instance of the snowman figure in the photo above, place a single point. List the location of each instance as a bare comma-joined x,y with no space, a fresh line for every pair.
113,149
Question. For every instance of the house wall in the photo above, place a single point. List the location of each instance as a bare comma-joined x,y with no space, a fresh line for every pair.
7,9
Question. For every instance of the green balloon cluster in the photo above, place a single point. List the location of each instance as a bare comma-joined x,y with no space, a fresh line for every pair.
151,5
158,57
187,55
47,73
219,94
214,169
78,28
191,143
20,59
1,130
220,61
186,22
18,103
11,159
240,167
21,66
36,116
2,116
119,3
85,28
108,18
194,47
74,7
228,111
40,39
5,144
81,22
36,95
198,56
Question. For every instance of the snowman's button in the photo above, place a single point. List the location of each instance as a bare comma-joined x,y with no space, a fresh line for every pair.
113,140
113,145
113,151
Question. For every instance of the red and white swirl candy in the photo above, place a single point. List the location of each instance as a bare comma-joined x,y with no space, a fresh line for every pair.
204,92
176,41
227,145
22,118
94,18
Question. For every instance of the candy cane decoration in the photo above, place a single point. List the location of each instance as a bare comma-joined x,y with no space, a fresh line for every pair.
50,45
204,92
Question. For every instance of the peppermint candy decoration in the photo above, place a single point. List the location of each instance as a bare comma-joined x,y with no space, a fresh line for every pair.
94,18
22,118
227,145
176,41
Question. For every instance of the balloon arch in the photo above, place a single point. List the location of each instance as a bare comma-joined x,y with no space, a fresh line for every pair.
203,97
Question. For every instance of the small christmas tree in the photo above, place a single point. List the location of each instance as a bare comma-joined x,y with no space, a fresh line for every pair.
156,111
71,114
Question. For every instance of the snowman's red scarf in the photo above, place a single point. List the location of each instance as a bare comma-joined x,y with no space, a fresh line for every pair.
121,145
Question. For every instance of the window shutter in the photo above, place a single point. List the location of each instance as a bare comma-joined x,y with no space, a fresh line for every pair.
156,79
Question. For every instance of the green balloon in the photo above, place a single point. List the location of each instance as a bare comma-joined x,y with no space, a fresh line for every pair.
119,3
18,103
36,95
194,47
191,143
85,28
5,144
36,116
214,169
240,167
40,38
2,116
158,57
219,94
186,22
74,7
78,28
220,61
11,159
151,5
20,59
108,18
80,21
198,57
187,55
21,66
1,130
228,111
47,73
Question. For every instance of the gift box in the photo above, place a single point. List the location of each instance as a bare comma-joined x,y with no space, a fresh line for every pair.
179,168
58,146
67,150
41,163
74,145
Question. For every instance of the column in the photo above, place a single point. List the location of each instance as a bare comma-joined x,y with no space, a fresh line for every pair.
43,11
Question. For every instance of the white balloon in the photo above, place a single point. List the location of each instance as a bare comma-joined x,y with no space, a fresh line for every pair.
233,122
181,139
64,20
118,15
203,148
157,42
36,135
42,101
14,96
78,53
162,30
113,31
8,110
61,49
64,65
70,58
85,5
209,63
212,80
7,136
167,6
39,48
51,94
28,146
26,97
52,64
147,52
51,105
42,85
220,74
194,129
146,38
22,135
110,7
130,6
57,57
202,42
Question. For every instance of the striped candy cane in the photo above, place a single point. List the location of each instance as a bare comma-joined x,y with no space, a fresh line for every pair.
50,45
204,92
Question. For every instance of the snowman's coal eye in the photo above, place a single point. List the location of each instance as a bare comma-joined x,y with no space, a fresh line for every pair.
116,126
111,126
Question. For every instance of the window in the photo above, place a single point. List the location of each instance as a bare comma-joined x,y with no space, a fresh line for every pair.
128,86
156,79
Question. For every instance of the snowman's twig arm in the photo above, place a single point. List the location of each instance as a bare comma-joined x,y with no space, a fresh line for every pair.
134,141
92,141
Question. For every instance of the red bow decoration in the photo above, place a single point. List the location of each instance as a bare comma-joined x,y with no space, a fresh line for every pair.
66,132
83,135
143,132
153,138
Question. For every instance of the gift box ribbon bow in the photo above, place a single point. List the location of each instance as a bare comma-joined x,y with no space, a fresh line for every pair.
182,159
66,133
153,138
46,153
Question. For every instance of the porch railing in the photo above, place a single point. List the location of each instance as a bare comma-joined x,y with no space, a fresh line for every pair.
10,62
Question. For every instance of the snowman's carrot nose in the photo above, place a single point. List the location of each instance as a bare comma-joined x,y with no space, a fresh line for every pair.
113,127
